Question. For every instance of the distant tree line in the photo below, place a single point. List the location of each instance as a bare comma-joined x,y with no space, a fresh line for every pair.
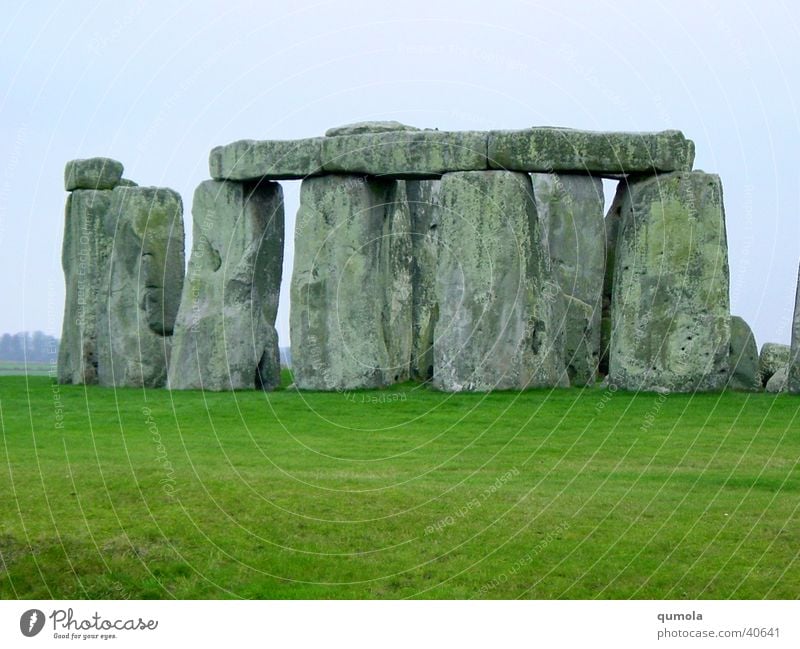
31,346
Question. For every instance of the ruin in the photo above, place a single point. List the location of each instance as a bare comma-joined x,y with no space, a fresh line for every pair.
351,285
743,357
225,336
670,317
570,207
475,261
123,265
499,309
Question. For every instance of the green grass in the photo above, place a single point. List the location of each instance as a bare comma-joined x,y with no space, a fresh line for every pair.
397,493
30,368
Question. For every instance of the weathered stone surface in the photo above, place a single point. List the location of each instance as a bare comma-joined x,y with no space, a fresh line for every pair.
773,356
580,342
779,381
743,357
605,342
405,153
612,222
670,306
498,322
85,261
571,210
266,159
127,182
423,201
402,151
549,149
225,336
142,287
794,360
351,284
92,173
359,128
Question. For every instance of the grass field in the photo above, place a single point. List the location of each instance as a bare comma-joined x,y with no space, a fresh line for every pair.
21,368
396,493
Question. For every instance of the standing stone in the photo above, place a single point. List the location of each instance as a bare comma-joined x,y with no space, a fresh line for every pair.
571,210
773,356
779,381
398,292
351,284
743,357
612,222
580,348
85,262
225,336
670,304
423,199
141,289
497,324
794,361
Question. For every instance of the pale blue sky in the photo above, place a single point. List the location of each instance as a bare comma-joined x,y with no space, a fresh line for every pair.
157,84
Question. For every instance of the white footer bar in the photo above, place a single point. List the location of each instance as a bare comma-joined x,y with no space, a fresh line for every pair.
378,624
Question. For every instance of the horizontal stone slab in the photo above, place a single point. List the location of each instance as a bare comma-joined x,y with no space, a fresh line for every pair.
270,159
405,153
549,149
360,128
92,173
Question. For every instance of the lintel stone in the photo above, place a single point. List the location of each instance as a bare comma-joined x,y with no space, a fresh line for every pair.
268,159
406,153
551,149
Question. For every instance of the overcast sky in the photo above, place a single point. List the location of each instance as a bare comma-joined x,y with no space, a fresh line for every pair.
157,84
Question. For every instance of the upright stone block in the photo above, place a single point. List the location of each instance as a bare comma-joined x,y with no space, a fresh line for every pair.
773,357
423,201
84,259
225,336
743,357
398,291
351,284
612,222
571,210
779,381
794,360
580,338
497,324
670,303
141,289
